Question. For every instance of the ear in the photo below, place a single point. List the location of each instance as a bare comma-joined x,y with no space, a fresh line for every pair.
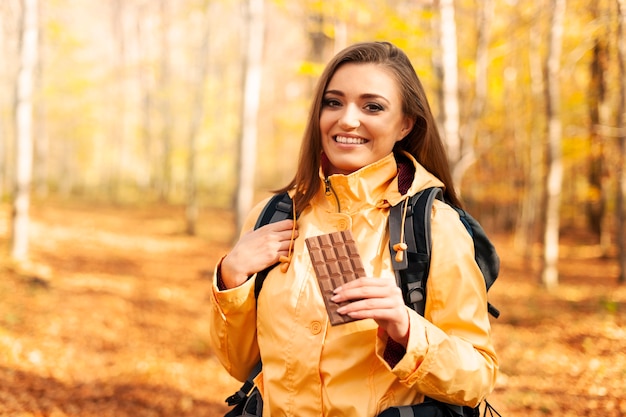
407,126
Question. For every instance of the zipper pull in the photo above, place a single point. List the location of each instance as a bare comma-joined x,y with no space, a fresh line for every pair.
330,192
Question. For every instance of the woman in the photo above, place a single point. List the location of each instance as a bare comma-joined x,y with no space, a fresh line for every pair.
370,142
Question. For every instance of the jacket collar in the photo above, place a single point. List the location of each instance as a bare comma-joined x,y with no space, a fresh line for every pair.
383,183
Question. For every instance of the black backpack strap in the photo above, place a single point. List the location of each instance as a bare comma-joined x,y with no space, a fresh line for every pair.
429,408
412,274
279,207
245,389
412,271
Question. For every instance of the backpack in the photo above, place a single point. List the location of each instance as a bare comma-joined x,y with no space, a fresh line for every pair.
412,219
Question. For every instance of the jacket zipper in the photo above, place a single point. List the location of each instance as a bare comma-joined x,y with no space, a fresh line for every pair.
331,191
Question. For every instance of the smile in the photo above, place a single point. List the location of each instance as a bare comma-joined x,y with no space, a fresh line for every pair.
350,141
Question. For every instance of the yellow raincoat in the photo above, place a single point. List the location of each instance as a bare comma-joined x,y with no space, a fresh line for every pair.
313,369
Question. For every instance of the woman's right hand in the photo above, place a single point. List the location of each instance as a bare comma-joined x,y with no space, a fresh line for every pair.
255,251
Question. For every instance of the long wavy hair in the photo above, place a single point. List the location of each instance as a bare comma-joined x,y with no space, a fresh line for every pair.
423,142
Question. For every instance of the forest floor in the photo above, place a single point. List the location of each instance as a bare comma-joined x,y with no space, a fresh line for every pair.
109,318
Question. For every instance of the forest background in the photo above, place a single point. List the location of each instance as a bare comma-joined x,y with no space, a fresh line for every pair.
134,130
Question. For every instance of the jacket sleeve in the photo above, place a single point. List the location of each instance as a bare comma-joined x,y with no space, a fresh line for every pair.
450,356
232,317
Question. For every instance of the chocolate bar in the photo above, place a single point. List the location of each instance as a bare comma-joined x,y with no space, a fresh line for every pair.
336,260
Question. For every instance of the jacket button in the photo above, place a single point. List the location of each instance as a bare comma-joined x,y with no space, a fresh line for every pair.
316,327
342,224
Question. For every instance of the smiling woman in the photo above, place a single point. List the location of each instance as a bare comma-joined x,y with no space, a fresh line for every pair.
371,143
362,117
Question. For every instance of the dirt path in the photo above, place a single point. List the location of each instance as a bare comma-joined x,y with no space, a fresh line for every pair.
109,320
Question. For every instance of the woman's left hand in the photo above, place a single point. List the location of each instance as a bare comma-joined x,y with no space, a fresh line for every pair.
379,299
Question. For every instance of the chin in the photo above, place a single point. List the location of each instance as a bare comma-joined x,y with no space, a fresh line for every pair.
345,170
345,165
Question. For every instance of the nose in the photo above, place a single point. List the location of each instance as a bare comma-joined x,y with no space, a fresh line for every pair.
349,118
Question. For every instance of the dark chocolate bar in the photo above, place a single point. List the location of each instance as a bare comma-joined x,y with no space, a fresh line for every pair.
336,261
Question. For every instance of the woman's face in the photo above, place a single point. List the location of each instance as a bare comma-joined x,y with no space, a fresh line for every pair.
361,117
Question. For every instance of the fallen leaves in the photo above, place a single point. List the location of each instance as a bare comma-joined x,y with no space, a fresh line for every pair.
108,319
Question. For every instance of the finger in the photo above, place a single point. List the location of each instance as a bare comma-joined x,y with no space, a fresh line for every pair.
365,282
381,310
370,304
366,288
278,235
380,315
350,285
280,226
284,245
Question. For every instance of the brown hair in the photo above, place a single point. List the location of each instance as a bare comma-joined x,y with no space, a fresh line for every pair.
423,142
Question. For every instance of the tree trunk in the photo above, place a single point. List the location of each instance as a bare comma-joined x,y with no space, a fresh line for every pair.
250,108
620,209
437,64
4,171
318,40
165,111
2,162
118,128
554,184
41,155
596,98
484,15
531,220
24,130
145,77
341,36
201,70
6,73
2,133
450,87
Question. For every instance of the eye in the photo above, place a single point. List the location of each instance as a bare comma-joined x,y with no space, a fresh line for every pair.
331,102
374,107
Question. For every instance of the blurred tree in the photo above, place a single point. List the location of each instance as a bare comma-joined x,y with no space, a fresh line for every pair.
3,159
164,89
3,152
449,81
8,20
554,180
24,129
253,58
317,37
41,140
145,78
620,207
200,71
118,100
2,132
597,97
484,16
532,204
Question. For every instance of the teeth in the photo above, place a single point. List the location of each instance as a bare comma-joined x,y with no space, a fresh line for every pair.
349,141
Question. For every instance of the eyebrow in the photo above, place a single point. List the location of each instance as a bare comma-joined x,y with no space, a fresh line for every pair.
362,96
